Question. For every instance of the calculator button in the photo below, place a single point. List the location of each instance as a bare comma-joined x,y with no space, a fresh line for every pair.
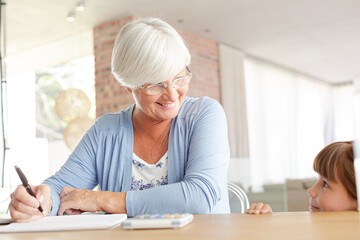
169,216
180,216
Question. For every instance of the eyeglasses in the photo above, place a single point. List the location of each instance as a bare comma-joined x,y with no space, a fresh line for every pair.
160,88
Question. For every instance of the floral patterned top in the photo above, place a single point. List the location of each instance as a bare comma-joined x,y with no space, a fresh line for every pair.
145,175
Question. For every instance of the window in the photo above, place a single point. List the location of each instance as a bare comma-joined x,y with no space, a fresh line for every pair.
71,86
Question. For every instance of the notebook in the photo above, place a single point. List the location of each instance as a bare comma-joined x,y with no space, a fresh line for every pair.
67,223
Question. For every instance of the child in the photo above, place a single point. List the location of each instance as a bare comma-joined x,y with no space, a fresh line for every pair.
335,189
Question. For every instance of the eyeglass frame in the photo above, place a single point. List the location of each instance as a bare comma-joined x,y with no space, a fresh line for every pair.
188,75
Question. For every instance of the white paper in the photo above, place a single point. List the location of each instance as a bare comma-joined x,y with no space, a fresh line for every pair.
67,223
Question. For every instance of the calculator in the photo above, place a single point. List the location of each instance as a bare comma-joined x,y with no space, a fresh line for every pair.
150,221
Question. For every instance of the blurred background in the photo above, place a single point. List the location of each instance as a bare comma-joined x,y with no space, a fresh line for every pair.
285,72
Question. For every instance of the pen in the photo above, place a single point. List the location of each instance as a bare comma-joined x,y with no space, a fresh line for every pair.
27,186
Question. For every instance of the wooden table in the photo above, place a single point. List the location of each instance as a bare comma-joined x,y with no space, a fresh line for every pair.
292,225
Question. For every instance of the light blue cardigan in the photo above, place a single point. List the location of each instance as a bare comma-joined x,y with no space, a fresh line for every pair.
198,162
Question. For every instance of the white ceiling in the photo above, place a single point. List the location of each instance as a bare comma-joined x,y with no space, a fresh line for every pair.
320,38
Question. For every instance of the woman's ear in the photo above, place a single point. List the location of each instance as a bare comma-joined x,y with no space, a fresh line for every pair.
129,90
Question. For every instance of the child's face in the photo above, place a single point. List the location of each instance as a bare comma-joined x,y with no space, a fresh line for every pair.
327,195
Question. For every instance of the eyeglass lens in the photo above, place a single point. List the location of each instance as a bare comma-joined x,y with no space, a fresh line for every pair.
161,87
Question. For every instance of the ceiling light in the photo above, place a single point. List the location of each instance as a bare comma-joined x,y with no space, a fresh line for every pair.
71,17
80,6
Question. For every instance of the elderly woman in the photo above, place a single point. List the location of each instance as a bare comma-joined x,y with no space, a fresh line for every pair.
166,153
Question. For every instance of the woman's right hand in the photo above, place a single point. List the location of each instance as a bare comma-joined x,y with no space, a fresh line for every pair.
24,208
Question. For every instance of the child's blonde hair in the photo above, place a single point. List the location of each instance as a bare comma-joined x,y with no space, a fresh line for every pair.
336,163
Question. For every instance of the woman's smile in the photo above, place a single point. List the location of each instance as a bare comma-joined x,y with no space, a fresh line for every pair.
167,105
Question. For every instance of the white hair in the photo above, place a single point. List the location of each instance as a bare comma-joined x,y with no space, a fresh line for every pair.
148,50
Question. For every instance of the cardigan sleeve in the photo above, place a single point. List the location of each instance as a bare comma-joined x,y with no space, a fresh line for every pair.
205,179
78,171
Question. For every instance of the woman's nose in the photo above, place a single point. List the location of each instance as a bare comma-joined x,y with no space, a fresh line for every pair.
171,91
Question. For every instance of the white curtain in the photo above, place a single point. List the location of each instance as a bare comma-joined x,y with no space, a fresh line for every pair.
356,107
279,119
288,114
233,99
344,114
357,135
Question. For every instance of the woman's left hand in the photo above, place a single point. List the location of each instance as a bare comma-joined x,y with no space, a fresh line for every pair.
75,201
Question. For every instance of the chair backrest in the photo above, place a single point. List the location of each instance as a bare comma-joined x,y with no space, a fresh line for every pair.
238,199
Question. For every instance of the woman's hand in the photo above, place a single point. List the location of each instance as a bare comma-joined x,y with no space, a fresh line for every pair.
24,208
259,208
75,201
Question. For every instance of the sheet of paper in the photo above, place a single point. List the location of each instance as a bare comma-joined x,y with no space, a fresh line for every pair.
67,223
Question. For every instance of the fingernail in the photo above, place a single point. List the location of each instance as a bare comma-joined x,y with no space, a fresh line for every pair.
41,198
256,211
251,211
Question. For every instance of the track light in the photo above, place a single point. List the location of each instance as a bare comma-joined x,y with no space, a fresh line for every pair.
80,6
71,17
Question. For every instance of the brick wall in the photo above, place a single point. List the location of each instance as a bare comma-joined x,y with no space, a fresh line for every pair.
112,97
